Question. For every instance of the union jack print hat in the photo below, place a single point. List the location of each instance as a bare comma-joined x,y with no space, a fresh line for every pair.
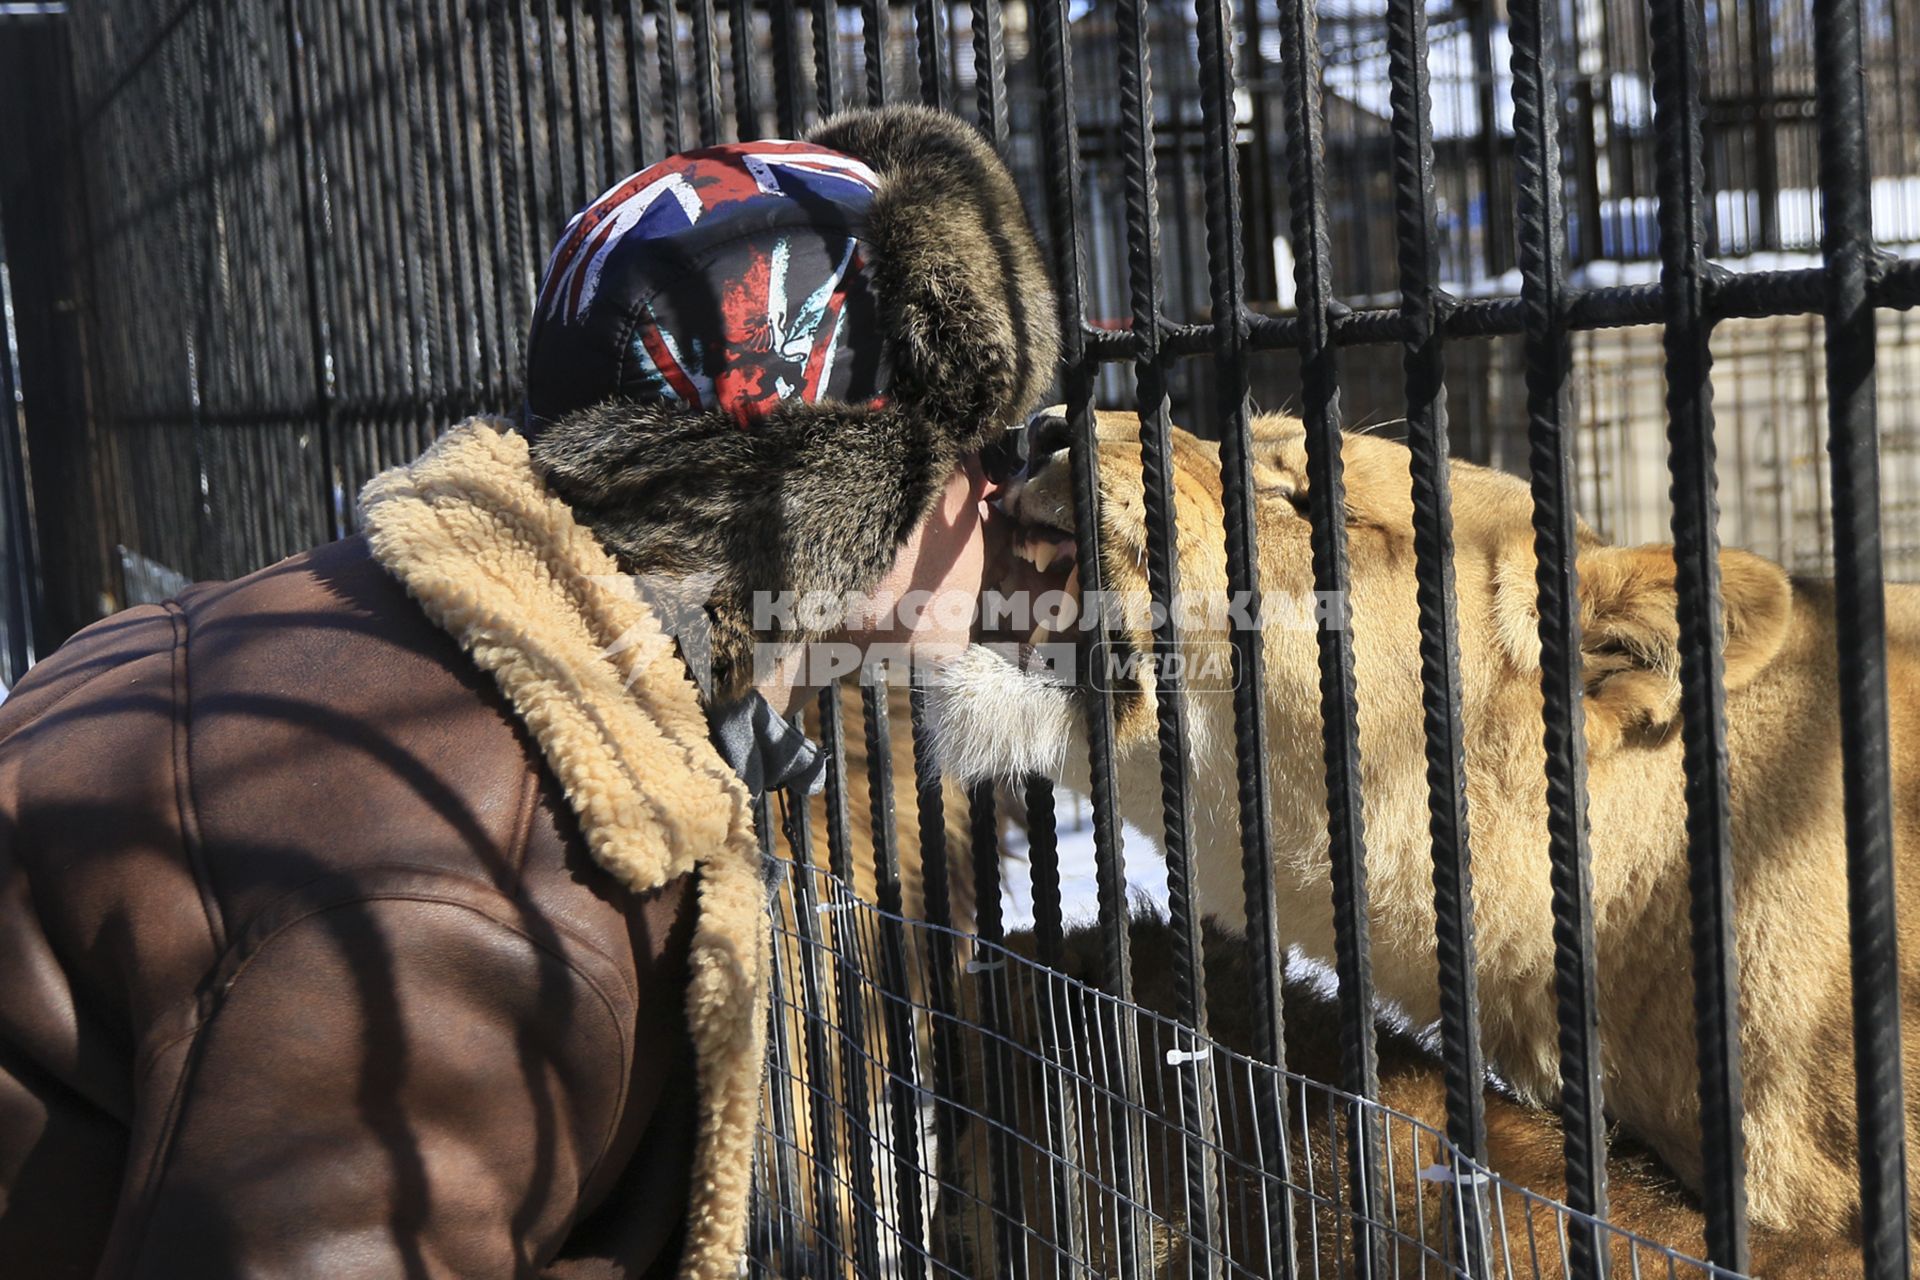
730,278
756,365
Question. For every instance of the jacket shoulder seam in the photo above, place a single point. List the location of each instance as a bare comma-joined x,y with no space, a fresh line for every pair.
185,804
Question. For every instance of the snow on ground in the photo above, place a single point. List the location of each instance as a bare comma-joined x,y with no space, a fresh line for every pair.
1146,885
1079,893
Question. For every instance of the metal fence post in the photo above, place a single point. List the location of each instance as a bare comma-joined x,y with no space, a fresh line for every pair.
1422,308
1303,106
19,607
1230,350
1063,196
849,994
903,1058
1846,245
824,1107
1199,1115
1677,69
1544,300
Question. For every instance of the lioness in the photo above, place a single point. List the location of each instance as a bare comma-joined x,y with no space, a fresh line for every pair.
1783,743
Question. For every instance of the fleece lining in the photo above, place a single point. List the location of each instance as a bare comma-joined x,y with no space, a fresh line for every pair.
501,564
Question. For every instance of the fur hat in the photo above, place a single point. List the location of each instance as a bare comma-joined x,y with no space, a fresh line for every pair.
714,427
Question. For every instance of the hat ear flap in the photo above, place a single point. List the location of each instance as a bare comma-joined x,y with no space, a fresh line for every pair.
729,531
964,292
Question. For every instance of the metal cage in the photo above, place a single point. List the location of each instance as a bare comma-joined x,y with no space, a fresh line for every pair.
277,245
1014,1162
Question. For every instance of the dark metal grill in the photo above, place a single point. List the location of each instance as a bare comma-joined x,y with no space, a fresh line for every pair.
303,235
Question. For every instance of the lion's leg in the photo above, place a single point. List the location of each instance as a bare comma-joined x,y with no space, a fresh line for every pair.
1802,1171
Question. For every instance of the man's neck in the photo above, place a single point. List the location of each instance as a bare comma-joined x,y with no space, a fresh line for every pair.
782,688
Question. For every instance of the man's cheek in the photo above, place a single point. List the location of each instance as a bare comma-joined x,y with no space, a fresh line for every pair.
951,612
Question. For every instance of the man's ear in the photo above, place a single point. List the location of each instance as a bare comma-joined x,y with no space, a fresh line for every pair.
1630,634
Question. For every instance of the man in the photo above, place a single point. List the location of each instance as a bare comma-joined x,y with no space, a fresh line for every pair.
397,910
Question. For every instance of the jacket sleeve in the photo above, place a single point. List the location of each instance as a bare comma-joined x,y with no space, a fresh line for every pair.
414,1084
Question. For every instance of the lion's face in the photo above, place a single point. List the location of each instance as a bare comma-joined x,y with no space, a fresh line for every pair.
1016,704
1002,717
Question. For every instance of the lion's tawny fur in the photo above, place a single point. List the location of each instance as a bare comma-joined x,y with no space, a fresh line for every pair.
1782,741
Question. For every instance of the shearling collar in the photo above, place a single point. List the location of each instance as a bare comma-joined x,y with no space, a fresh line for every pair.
501,564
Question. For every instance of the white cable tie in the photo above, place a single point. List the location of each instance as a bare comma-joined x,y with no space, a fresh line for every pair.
985,966
1177,1057
825,907
1442,1173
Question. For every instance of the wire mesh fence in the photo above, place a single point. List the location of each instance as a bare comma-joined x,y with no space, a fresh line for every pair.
868,1167
304,239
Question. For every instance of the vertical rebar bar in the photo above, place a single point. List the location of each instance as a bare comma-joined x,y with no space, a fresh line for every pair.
746,88
826,55
1005,1140
926,48
706,72
938,953
1320,402
1198,1113
990,71
873,39
1678,53
1422,306
1227,281
21,612
666,35
1064,1137
555,210
583,182
903,1070
786,68
849,992
300,87
776,1239
1541,229
512,283
1846,245
636,78
610,169
823,1106
1050,18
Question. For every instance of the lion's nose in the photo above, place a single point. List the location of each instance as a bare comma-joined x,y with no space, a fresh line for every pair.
1047,434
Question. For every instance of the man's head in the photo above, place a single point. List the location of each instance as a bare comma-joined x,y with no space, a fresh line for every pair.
767,369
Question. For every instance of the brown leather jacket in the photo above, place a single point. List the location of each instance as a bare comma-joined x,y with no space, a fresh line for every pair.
307,969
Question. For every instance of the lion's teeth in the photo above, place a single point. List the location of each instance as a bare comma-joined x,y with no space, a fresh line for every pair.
1042,555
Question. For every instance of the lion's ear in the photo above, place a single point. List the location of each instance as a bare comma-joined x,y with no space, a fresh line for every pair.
1279,458
1630,633
1630,630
